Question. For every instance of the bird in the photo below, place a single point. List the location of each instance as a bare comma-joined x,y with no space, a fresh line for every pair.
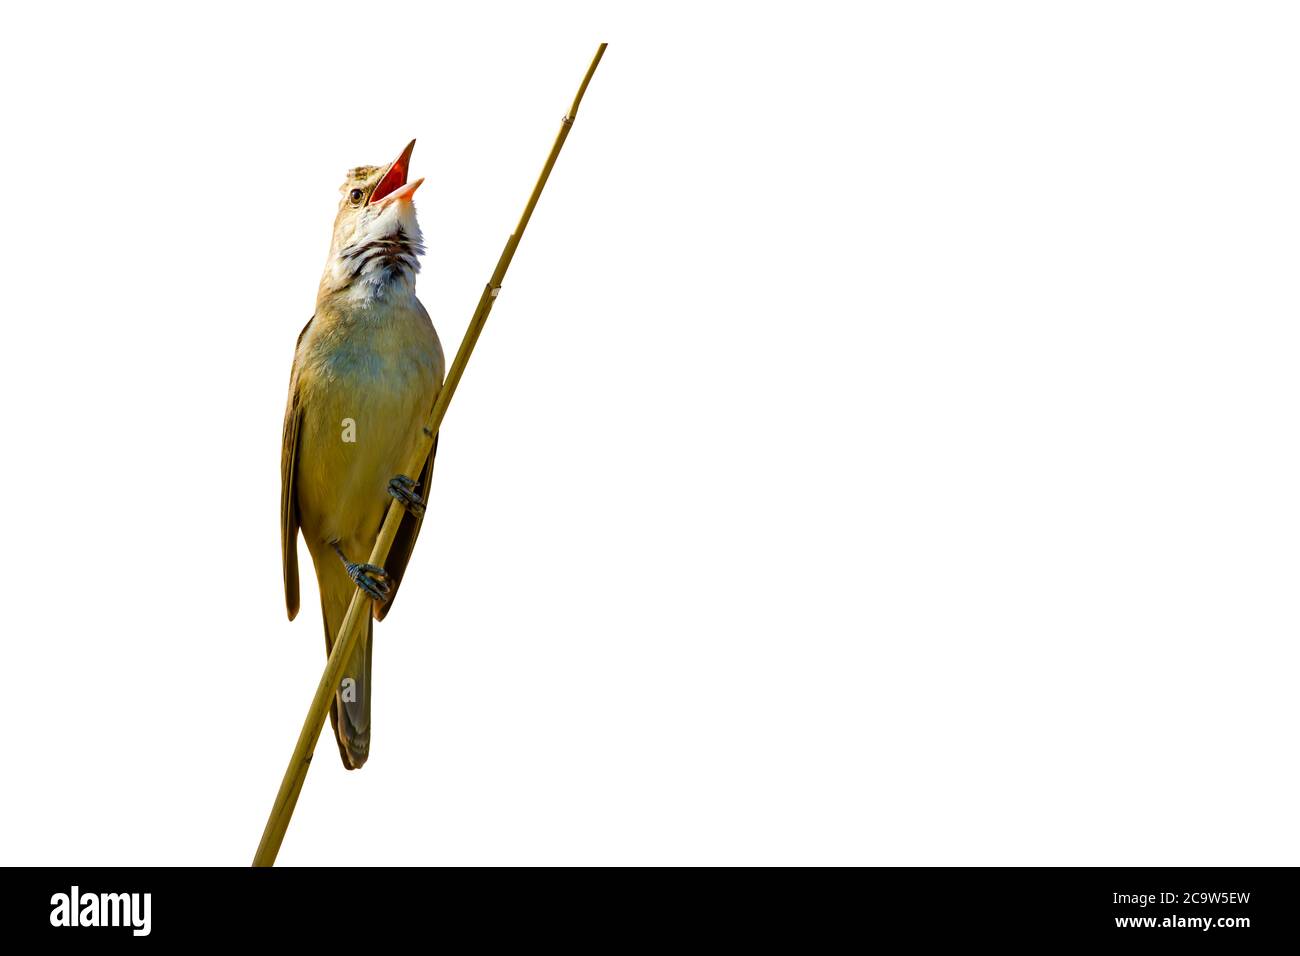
367,369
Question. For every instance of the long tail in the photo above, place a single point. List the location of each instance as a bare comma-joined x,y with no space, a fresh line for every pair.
350,713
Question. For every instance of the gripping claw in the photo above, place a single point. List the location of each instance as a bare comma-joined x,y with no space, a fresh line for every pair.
403,489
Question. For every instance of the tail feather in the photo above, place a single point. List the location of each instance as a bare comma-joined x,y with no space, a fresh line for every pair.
350,711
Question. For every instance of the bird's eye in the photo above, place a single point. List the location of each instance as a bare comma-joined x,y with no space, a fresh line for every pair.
355,196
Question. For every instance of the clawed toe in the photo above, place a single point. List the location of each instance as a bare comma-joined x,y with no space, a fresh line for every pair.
403,489
372,579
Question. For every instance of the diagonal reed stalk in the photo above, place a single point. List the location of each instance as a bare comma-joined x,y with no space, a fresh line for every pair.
349,633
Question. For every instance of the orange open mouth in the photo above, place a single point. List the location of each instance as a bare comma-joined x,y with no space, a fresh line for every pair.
393,184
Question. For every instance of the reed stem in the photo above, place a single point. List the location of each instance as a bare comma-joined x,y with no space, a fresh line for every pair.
291,786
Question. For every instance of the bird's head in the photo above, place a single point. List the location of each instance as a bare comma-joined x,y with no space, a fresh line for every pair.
377,241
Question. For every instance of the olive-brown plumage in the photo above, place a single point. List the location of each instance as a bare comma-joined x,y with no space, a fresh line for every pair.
366,371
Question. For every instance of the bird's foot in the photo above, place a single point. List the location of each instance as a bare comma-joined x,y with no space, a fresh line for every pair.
403,489
370,578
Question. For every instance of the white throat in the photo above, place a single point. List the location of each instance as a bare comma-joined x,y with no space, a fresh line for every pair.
383,256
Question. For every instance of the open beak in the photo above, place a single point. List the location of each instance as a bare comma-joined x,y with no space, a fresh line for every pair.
393,185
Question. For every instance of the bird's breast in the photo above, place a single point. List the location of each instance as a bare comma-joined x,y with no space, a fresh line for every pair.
365,388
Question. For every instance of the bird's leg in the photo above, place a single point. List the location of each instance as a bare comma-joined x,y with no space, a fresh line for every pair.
370,578
403,489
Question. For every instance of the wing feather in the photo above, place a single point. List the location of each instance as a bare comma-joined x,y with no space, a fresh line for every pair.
288,490
400,553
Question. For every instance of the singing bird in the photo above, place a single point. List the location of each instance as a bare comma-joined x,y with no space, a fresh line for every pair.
366,371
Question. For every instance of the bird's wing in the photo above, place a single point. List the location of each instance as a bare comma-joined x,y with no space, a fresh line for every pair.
288,490
400,553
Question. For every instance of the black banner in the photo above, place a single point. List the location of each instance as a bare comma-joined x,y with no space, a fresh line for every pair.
1224,907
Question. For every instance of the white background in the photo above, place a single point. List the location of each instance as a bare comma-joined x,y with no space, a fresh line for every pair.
883,450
